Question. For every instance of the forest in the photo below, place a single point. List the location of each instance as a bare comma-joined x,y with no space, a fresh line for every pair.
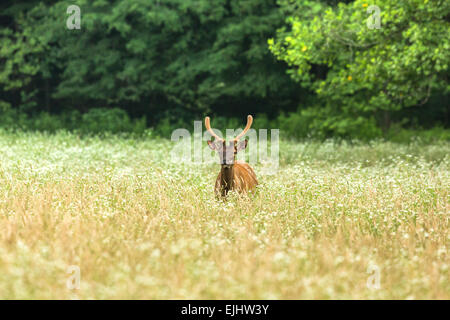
312,68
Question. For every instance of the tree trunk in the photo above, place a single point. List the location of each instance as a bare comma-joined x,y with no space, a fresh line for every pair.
386,121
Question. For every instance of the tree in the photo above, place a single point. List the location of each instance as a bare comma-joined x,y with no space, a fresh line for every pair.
176,57
362,74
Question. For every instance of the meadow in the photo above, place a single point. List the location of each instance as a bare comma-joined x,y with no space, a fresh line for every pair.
337,221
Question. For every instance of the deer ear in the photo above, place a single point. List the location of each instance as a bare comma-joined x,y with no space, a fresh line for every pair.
242,145
211,144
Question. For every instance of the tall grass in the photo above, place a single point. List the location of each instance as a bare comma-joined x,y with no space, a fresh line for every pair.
141,227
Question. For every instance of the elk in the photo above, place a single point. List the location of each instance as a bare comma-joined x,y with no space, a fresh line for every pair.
233,175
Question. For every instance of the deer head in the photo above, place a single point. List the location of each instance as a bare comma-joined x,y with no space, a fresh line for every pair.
227,150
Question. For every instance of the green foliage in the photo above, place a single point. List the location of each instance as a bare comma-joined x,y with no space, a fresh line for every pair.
317,122
114,120
401,135
174,61
20,53
95,121
362,75
189,56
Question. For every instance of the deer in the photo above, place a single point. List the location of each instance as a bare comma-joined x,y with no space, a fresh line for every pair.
234,175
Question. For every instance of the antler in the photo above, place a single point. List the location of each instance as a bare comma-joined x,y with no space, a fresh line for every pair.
247,127
208,127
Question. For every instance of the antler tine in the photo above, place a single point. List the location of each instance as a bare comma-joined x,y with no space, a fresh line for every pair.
247,127
208,127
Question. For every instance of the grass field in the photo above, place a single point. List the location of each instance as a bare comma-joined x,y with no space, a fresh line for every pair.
333,219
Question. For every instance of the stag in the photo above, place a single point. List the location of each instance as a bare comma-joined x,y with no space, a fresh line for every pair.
233,175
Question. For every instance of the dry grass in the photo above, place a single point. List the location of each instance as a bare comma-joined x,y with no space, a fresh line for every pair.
141,228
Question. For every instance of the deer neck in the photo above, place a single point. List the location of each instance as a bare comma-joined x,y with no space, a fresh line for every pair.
227,177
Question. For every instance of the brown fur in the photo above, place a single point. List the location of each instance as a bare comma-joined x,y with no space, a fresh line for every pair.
238,176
